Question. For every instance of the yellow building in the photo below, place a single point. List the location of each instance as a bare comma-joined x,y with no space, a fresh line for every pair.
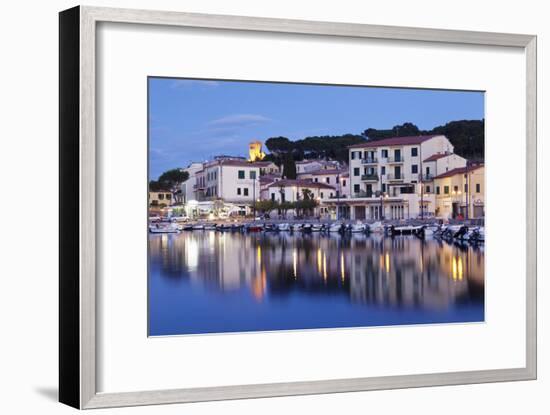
460,192
163,197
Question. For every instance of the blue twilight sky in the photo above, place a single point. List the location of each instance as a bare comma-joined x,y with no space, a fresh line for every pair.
191,120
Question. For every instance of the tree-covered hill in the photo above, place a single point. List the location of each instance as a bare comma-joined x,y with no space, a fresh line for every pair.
467,136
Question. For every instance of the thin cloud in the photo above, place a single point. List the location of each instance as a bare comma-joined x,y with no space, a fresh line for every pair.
238,120
185,83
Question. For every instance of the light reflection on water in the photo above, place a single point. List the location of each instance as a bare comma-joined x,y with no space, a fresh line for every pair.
205,282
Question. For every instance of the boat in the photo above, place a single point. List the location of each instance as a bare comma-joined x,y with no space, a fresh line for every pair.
172,228
307,228
296,227
359,227
224,227
198,227
188,227
317,227
270,227
336,227
376,227
210,227
255,227
283,227
237,227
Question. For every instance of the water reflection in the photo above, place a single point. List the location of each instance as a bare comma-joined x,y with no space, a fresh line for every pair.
240,282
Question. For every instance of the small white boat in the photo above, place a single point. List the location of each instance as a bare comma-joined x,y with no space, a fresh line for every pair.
198,227
210,227
171,228
376,227
316,227
283,227
296,227
358,227
335,227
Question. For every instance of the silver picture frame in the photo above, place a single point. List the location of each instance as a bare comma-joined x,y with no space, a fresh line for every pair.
77,277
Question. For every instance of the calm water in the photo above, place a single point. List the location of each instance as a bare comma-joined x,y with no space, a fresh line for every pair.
211,282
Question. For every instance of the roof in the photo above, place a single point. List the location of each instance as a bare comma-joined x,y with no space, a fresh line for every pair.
459,170
320,161
395,141
239,163
300,183
438,156
324,172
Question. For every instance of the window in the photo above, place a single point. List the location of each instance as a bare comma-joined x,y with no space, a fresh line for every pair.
316,180
427,171
465,188
161,196
383,187
456,189
322,195
327,179
241,174
246,191
252,175
446,190
414,168
168,196
353,155
356,188
383,170
154,202
385,154
414,152
343,183
238,190
273,197
437,190
478,187
356,171
428,189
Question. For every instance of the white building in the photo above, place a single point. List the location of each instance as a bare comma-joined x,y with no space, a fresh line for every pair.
306,166
390,180
287,190
188,187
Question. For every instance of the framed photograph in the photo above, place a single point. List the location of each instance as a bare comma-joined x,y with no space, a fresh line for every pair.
255,207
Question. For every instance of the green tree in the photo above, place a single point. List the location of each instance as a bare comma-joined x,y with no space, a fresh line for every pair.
279,145
170,180
289,167
307,194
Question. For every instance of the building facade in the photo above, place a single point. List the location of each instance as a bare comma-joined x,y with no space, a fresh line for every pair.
460,192
389,179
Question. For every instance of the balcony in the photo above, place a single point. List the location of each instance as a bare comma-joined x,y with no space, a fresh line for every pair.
395,160
426,177
369,177
395,177
370,160
363,194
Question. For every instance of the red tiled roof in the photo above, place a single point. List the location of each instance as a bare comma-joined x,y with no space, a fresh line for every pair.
437,156
395,141
459,170
300,183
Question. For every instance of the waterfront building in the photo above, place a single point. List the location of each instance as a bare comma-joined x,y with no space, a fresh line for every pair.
160,198
460,192
188,190
389,179
287,190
